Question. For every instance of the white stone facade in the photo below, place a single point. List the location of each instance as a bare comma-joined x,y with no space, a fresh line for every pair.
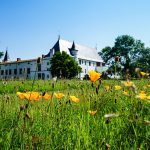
31,69
25,69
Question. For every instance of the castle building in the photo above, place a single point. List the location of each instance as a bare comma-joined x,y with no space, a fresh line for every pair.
86,57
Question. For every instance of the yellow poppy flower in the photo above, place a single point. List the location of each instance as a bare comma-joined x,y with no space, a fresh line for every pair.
128,83
92,112
148,85
107,87
117,87
141,96
74,99
59,95
148,97
126,93
144,73
94,76
142,92
47,96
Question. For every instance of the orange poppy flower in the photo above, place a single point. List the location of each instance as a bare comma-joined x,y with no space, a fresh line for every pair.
94,76
47,96
21,95
92,112
29,95
32,96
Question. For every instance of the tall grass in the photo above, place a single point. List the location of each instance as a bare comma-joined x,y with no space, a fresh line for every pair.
62,124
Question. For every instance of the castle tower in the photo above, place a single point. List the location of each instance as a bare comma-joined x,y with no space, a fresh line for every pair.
73,50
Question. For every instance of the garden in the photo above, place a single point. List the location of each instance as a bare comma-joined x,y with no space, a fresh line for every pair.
75,114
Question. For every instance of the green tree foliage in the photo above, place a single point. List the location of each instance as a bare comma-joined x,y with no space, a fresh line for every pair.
131,52
63,65
143,61
1,54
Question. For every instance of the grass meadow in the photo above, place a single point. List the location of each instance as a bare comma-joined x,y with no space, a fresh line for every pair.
104,117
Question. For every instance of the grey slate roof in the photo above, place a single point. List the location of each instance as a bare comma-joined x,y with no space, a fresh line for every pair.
20,61
84,52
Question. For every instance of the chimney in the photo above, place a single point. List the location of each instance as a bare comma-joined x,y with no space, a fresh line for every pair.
18,59
43,56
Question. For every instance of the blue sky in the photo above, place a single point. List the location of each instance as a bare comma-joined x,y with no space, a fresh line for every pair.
29,28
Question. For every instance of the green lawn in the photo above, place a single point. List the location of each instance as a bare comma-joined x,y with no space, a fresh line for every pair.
63,124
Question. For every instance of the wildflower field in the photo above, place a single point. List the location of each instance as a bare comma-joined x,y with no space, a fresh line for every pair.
74,114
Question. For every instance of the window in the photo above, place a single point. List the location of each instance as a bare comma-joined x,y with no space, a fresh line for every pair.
48,69
2,72
85,70
47,63
85,62
39,75
20,70
15,71
43,76
6,72
48,76
98,64
89,63
39,67
28,70
93,64
80,61
103,64
9,71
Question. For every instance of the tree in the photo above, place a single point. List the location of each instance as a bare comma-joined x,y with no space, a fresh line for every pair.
1,54
63,65
130,51
124,47
143,61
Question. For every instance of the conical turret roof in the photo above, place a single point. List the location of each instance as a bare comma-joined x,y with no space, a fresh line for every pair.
6,57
